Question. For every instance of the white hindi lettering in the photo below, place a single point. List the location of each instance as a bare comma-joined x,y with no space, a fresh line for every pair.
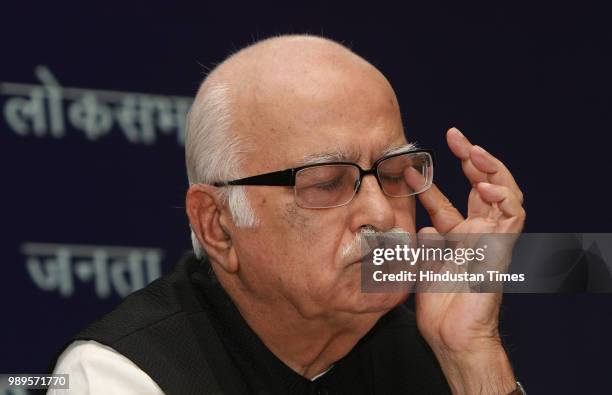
91,115
122,270
50,109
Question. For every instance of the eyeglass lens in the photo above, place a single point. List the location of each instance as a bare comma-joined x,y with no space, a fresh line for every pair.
335,185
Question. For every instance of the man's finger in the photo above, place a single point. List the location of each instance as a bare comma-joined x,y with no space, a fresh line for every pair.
497,172
458,144
461,147
506,200
477,207
444,216
478,164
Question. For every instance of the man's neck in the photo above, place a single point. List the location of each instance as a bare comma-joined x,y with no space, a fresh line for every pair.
307,346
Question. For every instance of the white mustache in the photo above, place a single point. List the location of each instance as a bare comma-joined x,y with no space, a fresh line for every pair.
368,239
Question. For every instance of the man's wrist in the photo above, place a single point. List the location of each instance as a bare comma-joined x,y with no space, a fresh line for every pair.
484,370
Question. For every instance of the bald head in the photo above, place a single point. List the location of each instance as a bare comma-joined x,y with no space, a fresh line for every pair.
287,85
288,64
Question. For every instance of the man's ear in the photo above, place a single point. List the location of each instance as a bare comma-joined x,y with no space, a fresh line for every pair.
207,216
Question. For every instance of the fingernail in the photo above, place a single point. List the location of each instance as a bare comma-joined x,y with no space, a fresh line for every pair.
457,131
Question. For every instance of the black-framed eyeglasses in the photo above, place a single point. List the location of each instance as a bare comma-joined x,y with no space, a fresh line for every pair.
335,184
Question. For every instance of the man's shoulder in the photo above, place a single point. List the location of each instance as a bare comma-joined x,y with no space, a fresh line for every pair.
160,301
155,328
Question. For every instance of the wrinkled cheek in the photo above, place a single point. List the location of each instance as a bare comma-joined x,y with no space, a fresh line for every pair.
322,286
339,286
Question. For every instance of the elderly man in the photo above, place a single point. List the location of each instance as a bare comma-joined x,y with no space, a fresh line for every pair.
277,204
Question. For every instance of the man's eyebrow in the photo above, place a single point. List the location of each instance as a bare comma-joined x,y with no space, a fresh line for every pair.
351,156
334,156
399,149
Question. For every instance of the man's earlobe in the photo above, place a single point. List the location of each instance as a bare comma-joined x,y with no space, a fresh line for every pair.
206,212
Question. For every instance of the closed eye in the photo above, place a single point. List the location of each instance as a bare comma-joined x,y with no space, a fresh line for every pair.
392,178
330,186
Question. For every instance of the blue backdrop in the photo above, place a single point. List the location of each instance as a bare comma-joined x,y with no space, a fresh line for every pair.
93,99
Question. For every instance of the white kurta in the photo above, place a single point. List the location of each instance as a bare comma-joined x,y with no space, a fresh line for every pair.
96,369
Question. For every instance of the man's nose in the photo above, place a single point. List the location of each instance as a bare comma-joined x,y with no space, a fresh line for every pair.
371,207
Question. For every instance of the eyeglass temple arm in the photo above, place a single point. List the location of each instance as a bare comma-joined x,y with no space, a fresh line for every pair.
278,178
